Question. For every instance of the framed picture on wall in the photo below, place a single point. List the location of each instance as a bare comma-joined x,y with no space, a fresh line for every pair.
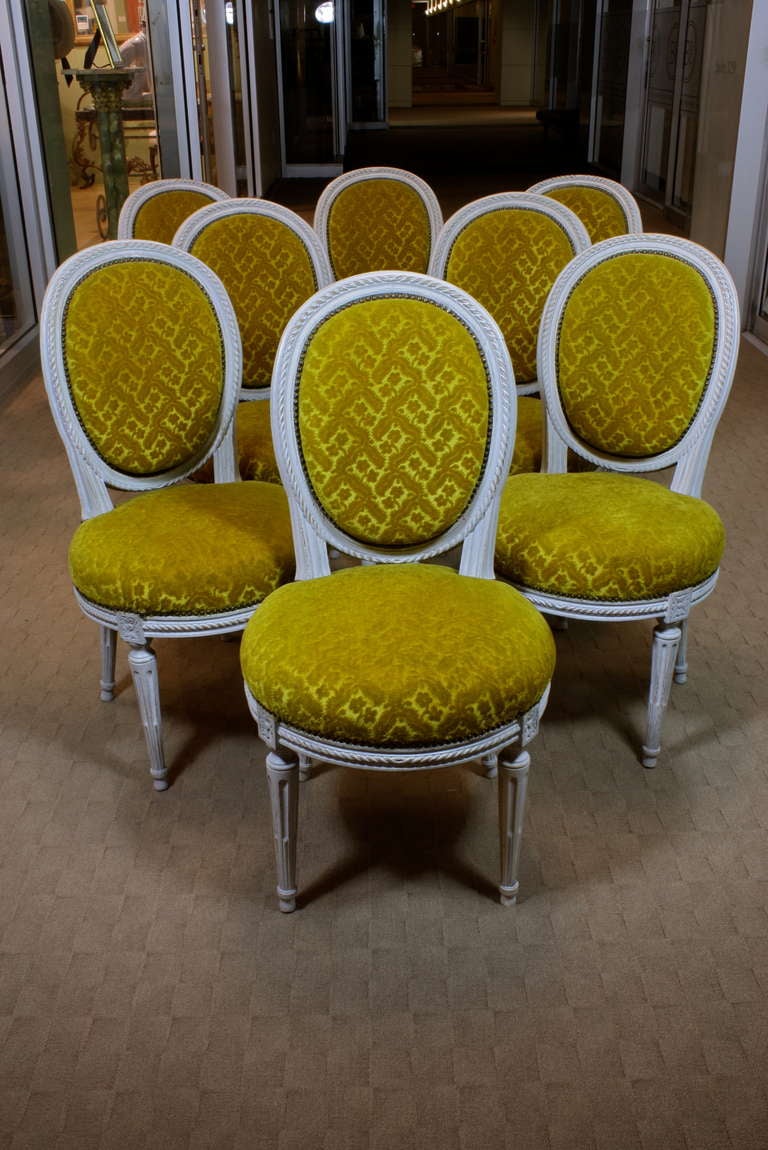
104,26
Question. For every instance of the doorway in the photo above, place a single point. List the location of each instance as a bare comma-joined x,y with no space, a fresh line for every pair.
672,106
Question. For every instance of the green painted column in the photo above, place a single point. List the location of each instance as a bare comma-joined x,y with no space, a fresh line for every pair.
105,87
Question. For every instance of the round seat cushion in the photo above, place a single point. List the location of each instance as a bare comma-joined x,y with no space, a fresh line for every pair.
186,550
407,656
529,437
605,537
255,451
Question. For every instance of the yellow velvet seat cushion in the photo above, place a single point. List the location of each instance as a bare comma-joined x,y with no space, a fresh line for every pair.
604,537
255,450
186,550
404,656
529,438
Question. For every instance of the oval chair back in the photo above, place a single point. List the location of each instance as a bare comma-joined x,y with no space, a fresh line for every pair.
379,218
605,207
155,210
270,261
507,250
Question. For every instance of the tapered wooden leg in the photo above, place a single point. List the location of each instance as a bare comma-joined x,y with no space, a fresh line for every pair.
108,651
490,766
283,779
143,664
681,662
666,640
513,787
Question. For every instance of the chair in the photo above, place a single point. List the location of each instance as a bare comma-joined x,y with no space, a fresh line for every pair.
637,352
393,413
506,250
605,207
141,362
374,219
270,261
156,210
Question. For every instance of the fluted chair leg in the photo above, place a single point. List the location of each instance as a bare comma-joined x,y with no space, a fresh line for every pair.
513,787
143,664
283,779
490,766
666,641
108,638
681,662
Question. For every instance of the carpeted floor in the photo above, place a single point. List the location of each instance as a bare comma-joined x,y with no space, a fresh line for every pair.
153,998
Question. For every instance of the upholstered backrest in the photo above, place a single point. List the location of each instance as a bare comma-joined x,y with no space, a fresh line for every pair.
141,360
156,210
638,343
377,218
393,404
507,250
269,260
604,206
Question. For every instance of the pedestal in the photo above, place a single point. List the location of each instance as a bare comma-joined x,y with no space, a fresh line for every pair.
105,86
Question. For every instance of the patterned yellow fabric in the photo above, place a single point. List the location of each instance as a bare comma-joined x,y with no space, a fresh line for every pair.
393,419
605,537
378,225
144,360
635,351
162,215
403,656
508,260
186,550
268,274
529,440
599,212
255,450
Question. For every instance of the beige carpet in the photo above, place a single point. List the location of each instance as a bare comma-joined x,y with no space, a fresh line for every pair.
151,996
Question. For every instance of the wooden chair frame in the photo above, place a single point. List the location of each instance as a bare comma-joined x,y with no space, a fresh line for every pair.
688,457
93,477
315,535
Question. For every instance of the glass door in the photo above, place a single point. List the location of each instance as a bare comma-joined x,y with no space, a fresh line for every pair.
672,104
28,251
312,44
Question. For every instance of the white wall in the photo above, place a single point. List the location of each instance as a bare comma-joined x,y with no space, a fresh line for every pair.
515,23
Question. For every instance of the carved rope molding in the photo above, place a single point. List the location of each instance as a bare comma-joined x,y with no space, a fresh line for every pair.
332,190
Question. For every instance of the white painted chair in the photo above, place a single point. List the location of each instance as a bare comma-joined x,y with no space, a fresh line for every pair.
393,414
156,210
605,207
379,218
506,250
637,352
142,363
270,261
